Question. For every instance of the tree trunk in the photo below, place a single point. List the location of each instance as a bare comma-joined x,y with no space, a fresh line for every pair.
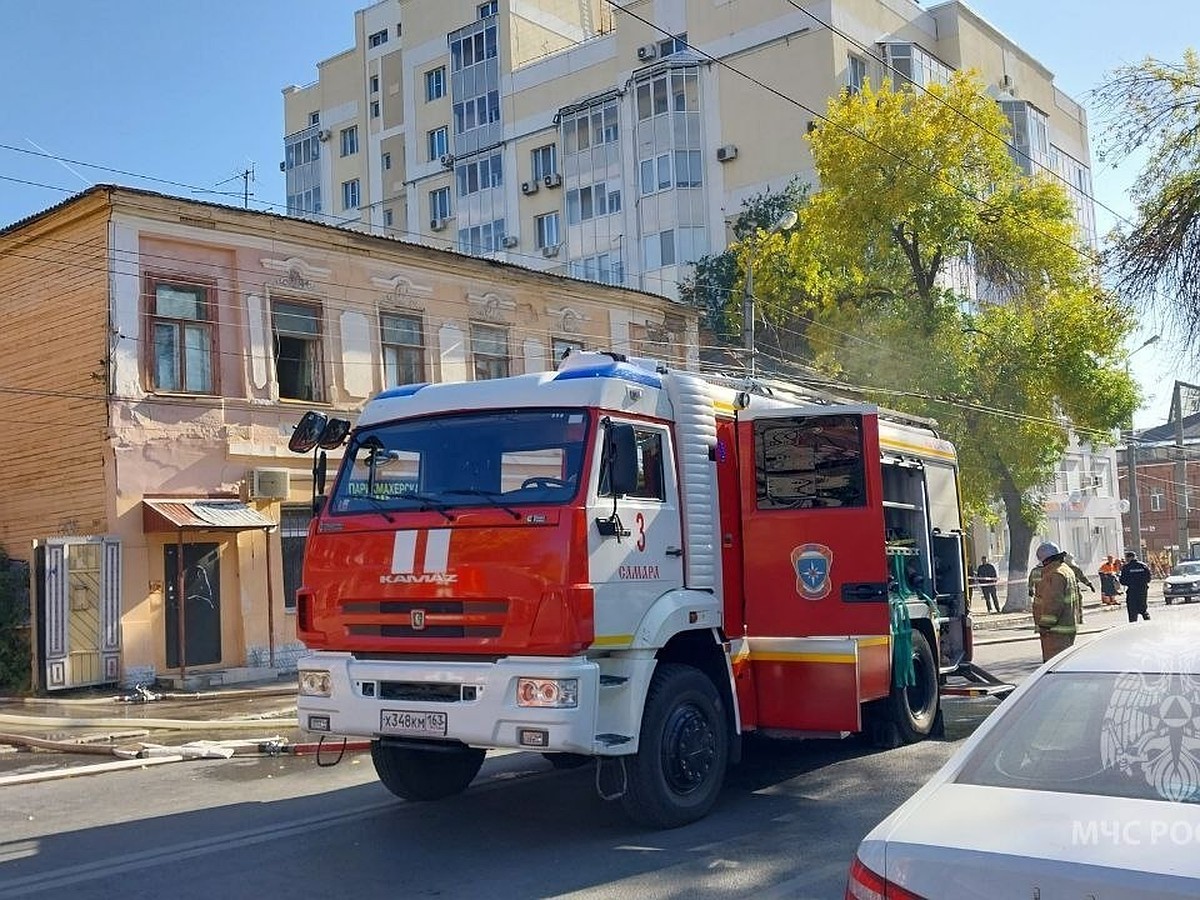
1020,536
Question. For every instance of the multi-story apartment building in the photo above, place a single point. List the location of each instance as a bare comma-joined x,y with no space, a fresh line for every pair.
155,357
614,141
1169,509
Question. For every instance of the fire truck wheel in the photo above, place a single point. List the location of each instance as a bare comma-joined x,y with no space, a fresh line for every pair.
677,773
425,774
913,710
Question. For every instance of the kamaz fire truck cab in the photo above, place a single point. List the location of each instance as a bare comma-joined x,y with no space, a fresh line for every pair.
618,561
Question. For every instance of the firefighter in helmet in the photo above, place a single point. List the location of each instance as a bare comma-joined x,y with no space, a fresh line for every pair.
1054,601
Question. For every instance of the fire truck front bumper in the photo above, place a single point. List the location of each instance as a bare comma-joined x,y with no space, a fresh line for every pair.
526,702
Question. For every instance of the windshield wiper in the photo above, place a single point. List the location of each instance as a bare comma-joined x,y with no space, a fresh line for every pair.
429,502
489,496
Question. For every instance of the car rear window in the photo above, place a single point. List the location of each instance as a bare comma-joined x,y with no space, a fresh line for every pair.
1116,735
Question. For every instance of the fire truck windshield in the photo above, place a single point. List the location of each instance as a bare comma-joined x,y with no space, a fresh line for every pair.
497,458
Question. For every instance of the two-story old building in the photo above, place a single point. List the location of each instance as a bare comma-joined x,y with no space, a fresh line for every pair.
155,357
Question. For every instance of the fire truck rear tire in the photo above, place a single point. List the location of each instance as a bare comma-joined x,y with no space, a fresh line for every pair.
677,773
913,710
425,774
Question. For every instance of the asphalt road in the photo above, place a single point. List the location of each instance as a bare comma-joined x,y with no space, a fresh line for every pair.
786,825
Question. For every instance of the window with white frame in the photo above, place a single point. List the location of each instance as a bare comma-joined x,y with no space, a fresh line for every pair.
856,73
688,168
909,62
473,48
1102,476
374,84
1158,500
674,44
181,331
606,268
489,351
314,118
435,83
476,111
377,38
386,161
480,174
349,140
387,218
303,151
655,174
593,201
438,142
350,194
439,203
543,162
401,337
375,108
489,9
485,238
677,91
546,228
591,128
658,250
297,332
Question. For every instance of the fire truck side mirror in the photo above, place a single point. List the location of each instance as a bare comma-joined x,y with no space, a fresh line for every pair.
622,459
308,432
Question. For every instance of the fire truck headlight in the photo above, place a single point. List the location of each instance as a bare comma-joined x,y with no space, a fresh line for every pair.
314,683
556,693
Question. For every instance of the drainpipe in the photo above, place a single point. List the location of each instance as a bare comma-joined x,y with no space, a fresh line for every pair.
270,600
182,612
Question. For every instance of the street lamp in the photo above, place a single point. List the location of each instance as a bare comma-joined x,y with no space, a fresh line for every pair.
786,221
1135,503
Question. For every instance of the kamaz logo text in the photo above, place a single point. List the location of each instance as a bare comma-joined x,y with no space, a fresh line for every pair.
420,557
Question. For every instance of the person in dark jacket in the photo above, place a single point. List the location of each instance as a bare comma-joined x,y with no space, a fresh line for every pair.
1135,575
986,576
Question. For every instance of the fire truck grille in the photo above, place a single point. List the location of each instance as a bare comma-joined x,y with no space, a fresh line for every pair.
420,692
425,618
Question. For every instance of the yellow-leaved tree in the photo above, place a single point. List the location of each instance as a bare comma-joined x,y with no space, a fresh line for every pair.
931,273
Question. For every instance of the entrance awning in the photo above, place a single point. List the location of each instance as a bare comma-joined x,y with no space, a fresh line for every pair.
201,515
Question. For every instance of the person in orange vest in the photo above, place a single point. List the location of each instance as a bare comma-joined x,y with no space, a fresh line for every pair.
1054,601
1109,588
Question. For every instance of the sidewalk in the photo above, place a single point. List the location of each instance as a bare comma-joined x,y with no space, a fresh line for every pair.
993,628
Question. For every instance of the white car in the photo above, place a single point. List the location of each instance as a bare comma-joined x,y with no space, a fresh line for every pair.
1183,582
1084,783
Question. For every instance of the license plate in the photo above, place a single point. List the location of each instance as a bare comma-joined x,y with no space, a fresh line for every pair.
403,721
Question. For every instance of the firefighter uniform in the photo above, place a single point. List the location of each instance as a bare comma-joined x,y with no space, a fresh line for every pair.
1054,606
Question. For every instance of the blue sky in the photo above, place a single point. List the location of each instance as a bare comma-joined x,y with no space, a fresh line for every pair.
190,93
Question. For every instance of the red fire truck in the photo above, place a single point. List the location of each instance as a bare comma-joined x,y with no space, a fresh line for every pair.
618,561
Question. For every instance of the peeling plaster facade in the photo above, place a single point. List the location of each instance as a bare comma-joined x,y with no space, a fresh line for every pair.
79,359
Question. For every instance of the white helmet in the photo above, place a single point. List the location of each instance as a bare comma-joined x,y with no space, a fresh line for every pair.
1047,550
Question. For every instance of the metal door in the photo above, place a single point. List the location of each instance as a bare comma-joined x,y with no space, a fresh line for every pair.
202,604
81,612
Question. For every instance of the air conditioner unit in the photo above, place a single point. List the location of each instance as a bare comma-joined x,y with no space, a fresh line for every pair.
529,187
324,134
553,181
509,240
447,160
726,153
647,51
283,166
1007,84
270,484
437,224
550,250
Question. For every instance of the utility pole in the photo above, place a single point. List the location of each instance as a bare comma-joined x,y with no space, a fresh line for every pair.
1181,483
247,177
1131,462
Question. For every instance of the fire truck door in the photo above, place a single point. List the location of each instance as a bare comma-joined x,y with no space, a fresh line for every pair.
815,569
636,562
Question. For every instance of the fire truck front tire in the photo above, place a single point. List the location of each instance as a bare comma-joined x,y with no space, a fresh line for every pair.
677,773
425,774
913,710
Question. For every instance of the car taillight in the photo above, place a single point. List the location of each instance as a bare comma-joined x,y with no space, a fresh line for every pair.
864,884
304,598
